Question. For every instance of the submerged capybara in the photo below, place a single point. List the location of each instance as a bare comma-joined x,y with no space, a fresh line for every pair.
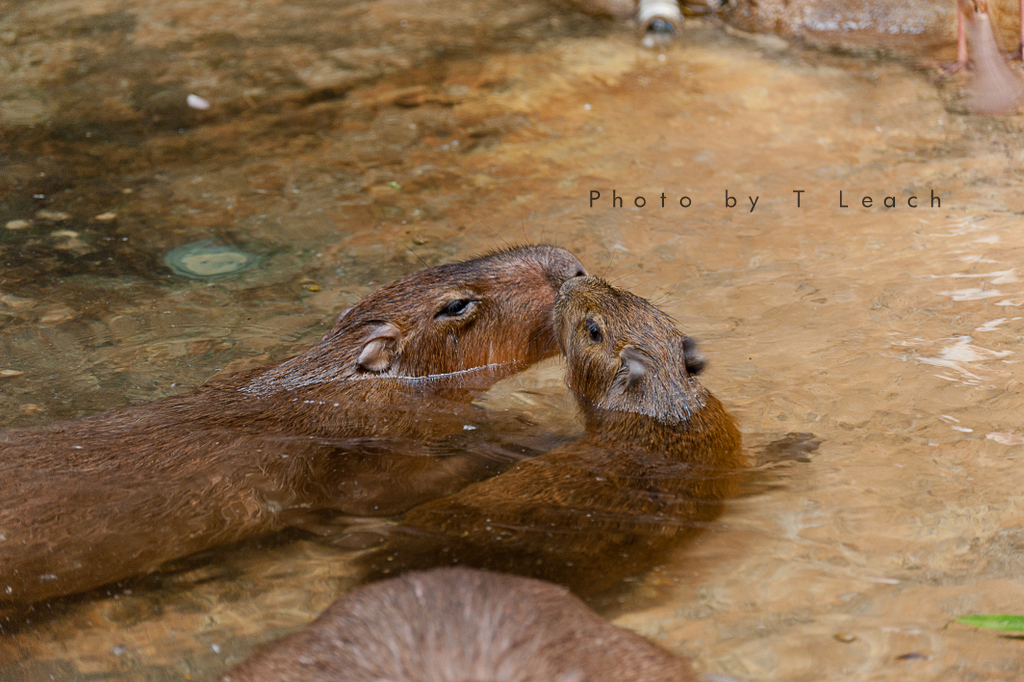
351,424
659,457
460,625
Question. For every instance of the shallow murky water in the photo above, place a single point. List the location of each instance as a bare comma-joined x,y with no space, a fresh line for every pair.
348,144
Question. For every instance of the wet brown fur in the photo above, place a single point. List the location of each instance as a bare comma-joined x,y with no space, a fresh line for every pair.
91,501
659,456
459,625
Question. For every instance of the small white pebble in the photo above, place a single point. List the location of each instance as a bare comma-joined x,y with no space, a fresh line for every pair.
17,224
467,427
216,648
586,107
883,581
118,650
53,216
197,102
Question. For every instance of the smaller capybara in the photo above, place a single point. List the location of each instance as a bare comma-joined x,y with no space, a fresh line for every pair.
659,457
461,625
357,423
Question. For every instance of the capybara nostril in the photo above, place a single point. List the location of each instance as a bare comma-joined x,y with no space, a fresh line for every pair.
559,264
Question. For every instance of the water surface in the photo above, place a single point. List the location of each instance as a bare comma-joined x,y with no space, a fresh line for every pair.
350,143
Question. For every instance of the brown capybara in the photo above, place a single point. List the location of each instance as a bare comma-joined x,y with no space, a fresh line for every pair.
350,424
461,625
659,456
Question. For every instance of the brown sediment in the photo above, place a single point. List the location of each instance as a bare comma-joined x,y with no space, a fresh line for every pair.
355,423
659,457
453,625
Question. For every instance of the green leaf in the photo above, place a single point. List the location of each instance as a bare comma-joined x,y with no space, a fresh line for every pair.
996,621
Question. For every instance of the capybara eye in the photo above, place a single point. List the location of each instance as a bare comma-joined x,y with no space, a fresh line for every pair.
595,332
455,308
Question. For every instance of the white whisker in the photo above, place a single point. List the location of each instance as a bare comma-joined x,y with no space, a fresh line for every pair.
261,385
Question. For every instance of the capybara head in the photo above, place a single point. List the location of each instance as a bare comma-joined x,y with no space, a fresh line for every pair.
624,354
460,625
470,323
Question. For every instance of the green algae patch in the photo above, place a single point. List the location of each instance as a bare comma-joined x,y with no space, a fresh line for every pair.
994,621
207,259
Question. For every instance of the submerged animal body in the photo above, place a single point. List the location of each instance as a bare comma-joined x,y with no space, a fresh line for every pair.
659,457
356,423
456,625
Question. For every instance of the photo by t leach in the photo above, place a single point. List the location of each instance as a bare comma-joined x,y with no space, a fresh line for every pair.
836,198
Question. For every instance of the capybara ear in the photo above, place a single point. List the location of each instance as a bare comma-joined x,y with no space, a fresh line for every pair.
634,365
378,347
691,356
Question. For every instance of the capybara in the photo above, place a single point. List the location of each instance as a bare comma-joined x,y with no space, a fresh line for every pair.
356,423
461,625
659,457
